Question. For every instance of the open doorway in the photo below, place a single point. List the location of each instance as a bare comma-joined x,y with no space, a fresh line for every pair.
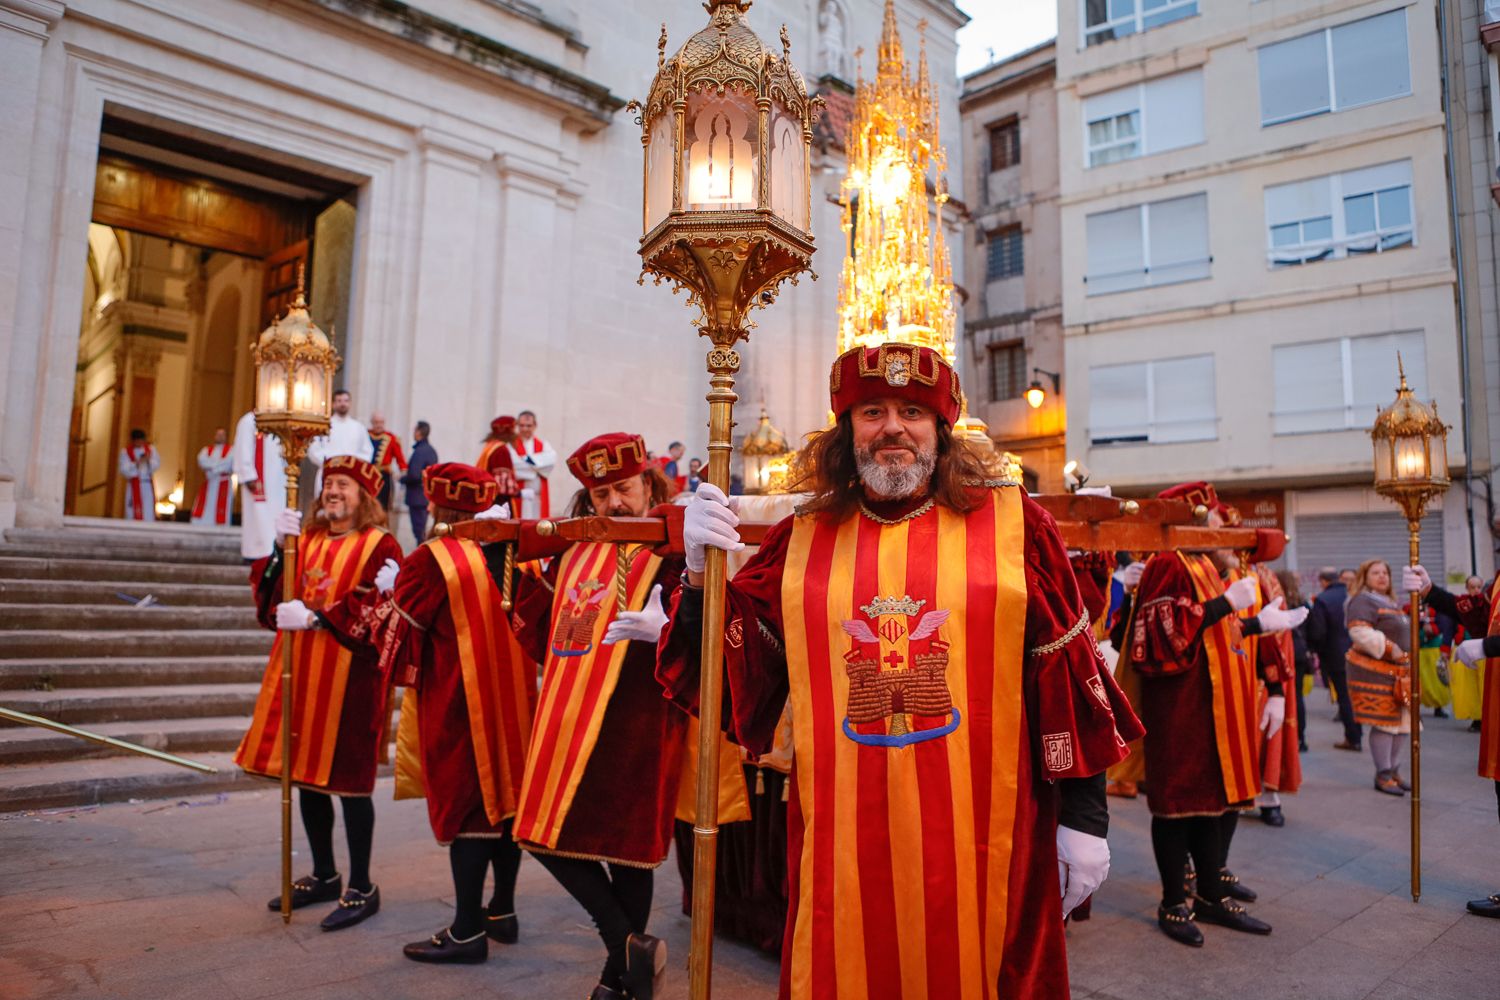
194,248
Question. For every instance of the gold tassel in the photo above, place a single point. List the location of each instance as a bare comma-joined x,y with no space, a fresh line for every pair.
786,789
760,781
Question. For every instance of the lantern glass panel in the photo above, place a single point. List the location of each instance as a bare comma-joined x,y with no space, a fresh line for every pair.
1411,459
270,387
788,169
659,160
1383,455
721,150
310,388
1438,447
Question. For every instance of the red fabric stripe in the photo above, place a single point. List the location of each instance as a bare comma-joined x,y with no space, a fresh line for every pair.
794,825
221,510
939,869
314,704
877,890
980,613
824,977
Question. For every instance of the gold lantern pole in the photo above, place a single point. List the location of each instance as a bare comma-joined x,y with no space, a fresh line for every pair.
294,366
1411,468
727,136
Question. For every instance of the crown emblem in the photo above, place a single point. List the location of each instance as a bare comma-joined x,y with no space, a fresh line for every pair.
598,467
893,606
896,371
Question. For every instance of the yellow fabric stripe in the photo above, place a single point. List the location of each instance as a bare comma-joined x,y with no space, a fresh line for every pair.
793,611
1229,684
848,912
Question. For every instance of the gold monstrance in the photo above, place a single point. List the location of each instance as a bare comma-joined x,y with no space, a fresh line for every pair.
1411,469
727,133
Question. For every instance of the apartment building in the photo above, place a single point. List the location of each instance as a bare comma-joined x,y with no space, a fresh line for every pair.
1254,223
1013,314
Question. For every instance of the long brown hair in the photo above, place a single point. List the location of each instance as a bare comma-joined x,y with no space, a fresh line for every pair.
825,467
1291,587
658,486
369,514
445,515
1364,568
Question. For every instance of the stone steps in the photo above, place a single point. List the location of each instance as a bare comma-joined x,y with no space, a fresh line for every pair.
86,706
183,737
141,574
94,780
136,552
110,593
47,674
65,644
123,617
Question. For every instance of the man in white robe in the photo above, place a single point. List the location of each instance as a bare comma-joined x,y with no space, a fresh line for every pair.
138,463
533,459
216,495
261,471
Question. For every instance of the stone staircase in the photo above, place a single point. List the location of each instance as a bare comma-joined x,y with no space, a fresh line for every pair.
179,675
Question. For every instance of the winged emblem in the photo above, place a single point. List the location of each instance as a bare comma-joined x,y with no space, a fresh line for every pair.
859,630
929,624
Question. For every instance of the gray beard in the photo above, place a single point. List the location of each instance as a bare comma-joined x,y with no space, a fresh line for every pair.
895,482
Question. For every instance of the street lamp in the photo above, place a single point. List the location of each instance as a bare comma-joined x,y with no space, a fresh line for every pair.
764,454
294,366
1035,394
726,132
1411,468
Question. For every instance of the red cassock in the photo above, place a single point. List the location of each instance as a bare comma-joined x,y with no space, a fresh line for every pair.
606,748
1197,691
475,690
1480,616
1275,659
942,677
338,710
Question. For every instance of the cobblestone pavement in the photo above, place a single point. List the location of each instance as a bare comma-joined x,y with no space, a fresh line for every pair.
159,900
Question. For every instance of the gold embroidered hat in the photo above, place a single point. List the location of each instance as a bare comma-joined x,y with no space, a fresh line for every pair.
365,474
457,486
608,458
903,371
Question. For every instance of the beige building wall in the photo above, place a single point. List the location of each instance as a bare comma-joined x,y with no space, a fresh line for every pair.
1244,308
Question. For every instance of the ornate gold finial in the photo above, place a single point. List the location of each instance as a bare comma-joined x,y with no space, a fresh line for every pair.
661,47
546,528
1401,367
441,529
786,44
1129,508
299,298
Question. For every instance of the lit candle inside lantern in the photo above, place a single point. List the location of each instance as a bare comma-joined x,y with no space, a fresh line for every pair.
277,399
302,396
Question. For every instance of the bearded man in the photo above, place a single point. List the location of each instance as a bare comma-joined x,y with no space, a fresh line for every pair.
952,716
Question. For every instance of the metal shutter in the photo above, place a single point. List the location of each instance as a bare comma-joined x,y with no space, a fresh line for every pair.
1346,540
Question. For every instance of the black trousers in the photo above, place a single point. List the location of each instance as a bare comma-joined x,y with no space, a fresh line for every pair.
418,522
617,897
359,832
1304,668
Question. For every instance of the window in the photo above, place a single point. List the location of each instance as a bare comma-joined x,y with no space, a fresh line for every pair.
1104,20
1144,118
1005,144
1335,69
1160,243
1007,370
1335,385
1006,254
1341,215
1153,402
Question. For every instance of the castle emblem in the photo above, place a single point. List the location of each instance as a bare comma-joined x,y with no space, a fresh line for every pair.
574,634
897,373
898,675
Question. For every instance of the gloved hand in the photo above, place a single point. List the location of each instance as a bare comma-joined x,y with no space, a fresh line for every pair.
293,616
1093,491
1273,716
498,512
1242,593
385,576
1133,574
1274,617
1082,865
1415,578
1470,652
710,519
645,624
288,522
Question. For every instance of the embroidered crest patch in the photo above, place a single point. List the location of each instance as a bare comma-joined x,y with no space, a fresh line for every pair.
1057,751
898,675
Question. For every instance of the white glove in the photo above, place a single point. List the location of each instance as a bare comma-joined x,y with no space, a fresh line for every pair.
1082,865
288,522
293,616
1133,574
498,512
385,576
1093,491
1415,578
710,520
1274,617
1470,652
645,624
1273,716
1242,593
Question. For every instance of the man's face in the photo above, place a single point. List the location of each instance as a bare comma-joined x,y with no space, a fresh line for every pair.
695,466
220,436
1225,560
341,403
377,422
340,500
526,426
895,446
1474,585
625,498
1347,578
418,434
676,451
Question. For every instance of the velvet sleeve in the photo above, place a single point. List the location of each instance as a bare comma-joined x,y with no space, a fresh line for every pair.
1083,718
265,584
351,619
1165,631
420,594
755,671
1091,570
1473,613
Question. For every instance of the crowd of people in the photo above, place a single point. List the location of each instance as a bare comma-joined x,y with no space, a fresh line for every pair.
913,645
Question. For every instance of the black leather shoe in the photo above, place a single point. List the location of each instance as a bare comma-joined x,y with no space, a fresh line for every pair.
1348,745
1229,913
311,889
1401,782
445,949
354,907
602,992
1190,881
1487,907
645,962
1176,922
1271,816
502,927
1234,889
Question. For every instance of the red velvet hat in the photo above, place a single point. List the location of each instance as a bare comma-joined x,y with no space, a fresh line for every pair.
1201,493
366,474
608,458
503,426
904,371
460,487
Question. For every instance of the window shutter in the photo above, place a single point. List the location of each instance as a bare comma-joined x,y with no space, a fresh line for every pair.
1116,253
1184,397
1294,79
1174,111
1308,387
1370,61
1118,408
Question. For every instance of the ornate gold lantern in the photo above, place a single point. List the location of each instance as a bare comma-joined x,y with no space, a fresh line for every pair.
1411,468
765,455
726,131
294,367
